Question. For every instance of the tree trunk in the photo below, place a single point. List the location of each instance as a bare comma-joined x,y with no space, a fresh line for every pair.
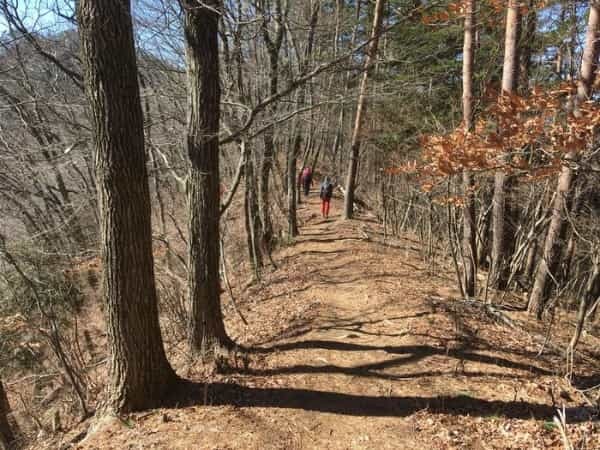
154,158
273,44
265,189
292,176
591,294
469,227
6,434
294,150
483,229
361,110
530,262
251,215
550,261
137,379
568,252
207,333
501,212
589,62
530,24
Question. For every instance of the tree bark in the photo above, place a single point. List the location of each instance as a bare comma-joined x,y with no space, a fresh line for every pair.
501,212
6,433
529,27
550,262
361,110
139,373
251,215
469,226
591,294
292,191
207,334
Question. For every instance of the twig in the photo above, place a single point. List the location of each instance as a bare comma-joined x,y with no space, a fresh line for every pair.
561,423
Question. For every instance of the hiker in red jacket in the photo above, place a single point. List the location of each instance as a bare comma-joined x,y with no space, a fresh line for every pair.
307,179
326,193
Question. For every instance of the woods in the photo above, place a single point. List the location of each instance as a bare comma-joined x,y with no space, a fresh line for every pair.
150,167
563,199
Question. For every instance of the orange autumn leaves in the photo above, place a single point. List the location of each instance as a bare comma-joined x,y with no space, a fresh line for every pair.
456,10
525,136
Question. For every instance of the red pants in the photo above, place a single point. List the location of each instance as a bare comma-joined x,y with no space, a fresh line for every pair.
325,207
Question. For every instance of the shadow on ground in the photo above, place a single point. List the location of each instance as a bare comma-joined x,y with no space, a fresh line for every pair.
230,394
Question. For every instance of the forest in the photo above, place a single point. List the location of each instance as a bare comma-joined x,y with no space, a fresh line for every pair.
300,224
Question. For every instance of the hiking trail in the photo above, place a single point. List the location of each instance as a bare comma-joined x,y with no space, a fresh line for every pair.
356,344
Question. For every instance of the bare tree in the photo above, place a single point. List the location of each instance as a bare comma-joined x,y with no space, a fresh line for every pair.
273,41
139,373
469,226
361,109
207,333
501,212
293,152
550,262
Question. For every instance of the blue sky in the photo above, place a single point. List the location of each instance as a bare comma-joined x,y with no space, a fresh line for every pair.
159,33
42,16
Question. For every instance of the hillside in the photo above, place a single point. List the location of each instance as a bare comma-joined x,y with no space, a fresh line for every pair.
354,344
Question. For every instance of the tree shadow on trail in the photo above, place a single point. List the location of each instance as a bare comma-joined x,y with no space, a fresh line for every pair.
411,354
231,394
348,324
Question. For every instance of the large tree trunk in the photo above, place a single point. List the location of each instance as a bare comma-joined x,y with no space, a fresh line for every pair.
501,212
550,262
361,110
6,434
206,329
469,226
139,373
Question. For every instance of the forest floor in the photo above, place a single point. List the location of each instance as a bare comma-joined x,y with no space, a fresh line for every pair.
357,344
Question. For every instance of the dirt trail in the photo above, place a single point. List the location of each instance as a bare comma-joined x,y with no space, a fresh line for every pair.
355,347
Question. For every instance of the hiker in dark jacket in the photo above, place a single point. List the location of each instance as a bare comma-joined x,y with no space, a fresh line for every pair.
326,193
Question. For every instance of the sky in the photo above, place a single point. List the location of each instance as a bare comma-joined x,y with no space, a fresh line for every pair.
155,26
41,16
156,33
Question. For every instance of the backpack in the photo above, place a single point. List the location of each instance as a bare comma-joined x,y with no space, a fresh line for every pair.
327,191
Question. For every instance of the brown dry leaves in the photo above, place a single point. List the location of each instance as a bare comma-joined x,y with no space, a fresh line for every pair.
525,136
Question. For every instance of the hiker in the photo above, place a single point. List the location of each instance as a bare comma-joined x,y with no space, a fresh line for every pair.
307,179
300,177
326,194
